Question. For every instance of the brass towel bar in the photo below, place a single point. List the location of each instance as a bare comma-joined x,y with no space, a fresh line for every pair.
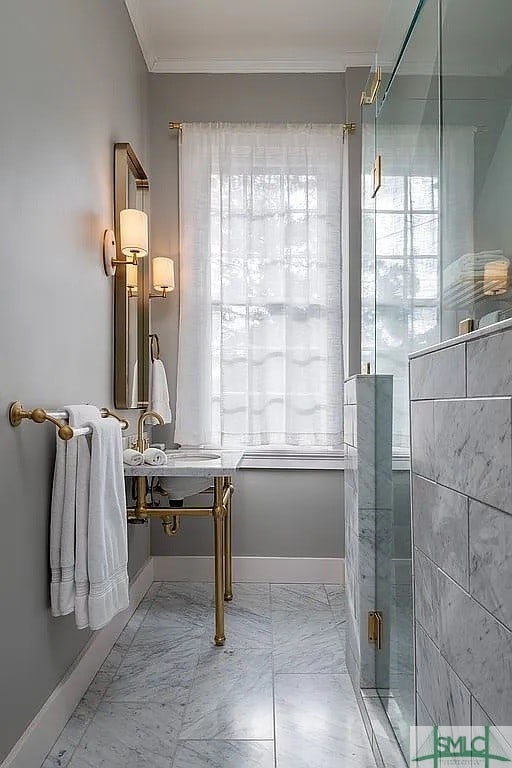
17,414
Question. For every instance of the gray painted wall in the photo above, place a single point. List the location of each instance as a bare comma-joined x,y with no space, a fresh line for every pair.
313,499
72,82
278,513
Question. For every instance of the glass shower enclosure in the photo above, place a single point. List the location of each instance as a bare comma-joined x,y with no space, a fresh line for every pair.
436,244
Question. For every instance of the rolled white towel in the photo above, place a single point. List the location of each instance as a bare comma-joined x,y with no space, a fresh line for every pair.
155,457
132,457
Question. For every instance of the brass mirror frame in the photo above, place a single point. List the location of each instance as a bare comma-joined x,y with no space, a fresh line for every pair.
126,163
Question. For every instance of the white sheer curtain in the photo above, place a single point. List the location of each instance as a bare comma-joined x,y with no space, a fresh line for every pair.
260,343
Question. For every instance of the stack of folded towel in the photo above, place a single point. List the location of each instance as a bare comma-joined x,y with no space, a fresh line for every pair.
88,532
153,456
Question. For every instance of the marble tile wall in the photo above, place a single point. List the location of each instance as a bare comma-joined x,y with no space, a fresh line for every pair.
461,454
368,510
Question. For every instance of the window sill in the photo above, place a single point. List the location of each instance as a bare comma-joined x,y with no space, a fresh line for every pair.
292,460
333,460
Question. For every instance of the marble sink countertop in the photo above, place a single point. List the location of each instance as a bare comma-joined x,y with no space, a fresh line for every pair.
185,466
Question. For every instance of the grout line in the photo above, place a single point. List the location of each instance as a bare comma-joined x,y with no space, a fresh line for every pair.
274,724
468,523
459,493
221,741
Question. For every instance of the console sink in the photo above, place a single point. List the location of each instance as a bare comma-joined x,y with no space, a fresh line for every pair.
189,470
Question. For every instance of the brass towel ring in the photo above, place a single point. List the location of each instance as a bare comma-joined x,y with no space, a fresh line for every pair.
154,346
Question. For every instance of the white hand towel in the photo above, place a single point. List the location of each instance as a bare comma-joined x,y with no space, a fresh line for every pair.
67,487
107,529
134,403
155,457
132,457
159,400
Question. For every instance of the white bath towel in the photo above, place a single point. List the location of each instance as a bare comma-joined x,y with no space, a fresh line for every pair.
159,401
68,485
133,458
56,515
155,457
82,532
107,539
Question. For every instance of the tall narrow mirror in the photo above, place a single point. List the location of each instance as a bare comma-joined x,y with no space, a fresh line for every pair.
131,289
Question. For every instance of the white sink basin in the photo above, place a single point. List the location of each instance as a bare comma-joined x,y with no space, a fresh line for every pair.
180,455
180,487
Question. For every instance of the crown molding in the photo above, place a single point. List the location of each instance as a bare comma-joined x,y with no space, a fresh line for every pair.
289,64
317,61
140,28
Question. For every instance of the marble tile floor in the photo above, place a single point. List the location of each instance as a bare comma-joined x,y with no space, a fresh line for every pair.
276,696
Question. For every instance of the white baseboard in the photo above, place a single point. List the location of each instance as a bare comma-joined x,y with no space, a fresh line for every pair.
276,570
32,747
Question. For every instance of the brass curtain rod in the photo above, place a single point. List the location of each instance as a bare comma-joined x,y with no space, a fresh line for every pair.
347,127
17,414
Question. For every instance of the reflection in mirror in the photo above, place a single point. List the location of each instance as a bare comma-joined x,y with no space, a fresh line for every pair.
131,290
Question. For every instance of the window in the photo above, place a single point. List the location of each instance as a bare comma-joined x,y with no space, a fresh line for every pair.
402,250
406,291
260,358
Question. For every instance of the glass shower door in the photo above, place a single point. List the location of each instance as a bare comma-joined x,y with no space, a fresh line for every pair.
406,319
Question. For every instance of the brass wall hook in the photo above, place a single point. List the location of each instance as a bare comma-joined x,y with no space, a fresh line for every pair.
349,128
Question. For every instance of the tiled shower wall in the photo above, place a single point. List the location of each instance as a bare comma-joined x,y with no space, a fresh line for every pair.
461,452
368,510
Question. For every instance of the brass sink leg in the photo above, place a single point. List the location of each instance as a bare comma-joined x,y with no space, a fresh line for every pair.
219,515
228,562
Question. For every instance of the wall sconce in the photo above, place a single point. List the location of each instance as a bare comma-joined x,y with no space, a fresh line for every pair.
131,279
163,277
134,240
496,277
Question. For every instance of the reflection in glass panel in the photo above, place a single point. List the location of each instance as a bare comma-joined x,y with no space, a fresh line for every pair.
368,275
477,115
407,235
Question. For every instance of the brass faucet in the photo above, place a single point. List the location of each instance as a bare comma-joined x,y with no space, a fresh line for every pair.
142,443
